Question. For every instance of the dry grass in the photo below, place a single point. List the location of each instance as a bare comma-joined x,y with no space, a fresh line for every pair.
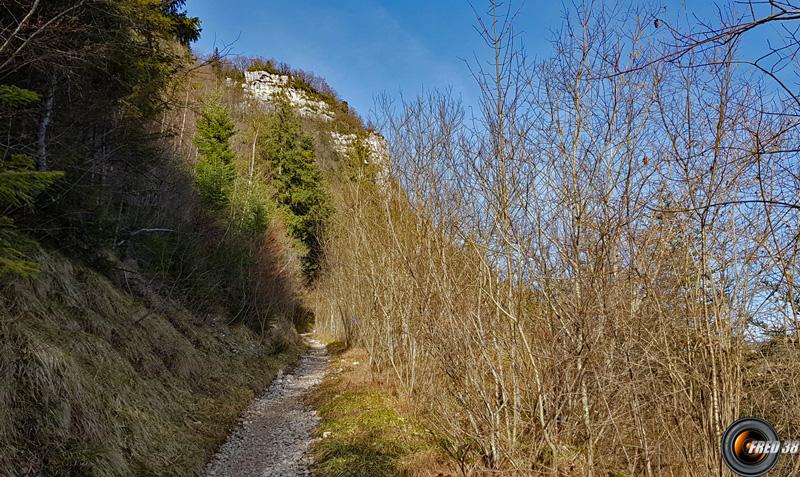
93,382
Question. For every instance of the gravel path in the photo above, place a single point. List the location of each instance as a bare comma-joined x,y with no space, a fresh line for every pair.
274,433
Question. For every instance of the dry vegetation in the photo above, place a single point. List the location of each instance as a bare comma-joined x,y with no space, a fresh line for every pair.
595,275
94,381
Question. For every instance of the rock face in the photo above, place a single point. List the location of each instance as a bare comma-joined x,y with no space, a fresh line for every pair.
267,86
374,143
379,154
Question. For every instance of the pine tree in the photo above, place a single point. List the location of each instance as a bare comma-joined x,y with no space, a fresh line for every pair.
297,179
214,173
19,183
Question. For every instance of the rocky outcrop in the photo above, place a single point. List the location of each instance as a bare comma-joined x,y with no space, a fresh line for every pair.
374,143
267,86
377,151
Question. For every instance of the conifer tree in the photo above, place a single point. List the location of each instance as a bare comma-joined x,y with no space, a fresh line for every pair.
19,183
297,179
214,173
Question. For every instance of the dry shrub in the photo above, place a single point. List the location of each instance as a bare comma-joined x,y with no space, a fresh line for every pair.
588,272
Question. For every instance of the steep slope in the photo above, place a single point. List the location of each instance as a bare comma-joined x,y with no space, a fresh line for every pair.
134,354
140,366
159,226
96,381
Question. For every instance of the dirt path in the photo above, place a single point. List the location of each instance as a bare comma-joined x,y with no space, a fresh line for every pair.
274,433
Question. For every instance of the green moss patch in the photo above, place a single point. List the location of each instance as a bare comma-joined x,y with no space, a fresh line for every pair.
364,431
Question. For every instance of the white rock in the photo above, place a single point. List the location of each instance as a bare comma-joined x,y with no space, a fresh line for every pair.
267,86
375,144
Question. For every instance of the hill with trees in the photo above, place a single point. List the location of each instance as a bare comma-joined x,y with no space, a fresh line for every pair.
597,262
159,230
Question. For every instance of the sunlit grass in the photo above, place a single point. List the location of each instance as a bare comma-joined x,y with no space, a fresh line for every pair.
364,432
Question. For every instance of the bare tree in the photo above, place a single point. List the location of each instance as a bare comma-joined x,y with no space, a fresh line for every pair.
593,266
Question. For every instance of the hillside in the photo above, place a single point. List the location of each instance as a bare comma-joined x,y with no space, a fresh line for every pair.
98,381
569,269
158,237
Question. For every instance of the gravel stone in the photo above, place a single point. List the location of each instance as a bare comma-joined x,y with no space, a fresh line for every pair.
275,432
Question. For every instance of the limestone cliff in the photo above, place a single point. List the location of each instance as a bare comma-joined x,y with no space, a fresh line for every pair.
267,87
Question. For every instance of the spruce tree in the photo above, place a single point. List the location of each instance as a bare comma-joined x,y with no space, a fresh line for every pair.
214,173
19,183
297,180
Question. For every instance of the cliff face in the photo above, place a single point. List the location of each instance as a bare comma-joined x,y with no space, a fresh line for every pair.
374,143
268,87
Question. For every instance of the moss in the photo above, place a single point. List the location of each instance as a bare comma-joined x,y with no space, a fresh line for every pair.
366,432
93,382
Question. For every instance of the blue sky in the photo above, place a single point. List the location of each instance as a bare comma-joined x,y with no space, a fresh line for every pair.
364,48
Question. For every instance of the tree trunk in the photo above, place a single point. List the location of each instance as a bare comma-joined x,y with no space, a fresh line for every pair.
46,118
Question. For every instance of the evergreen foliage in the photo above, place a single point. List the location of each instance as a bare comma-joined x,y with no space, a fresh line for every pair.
184,28
297,179
19,183
214,173
100,72
13,96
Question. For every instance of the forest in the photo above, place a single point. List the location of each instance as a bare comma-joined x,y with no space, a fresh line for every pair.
594,272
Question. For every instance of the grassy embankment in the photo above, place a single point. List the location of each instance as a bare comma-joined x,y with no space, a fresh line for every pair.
97,382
